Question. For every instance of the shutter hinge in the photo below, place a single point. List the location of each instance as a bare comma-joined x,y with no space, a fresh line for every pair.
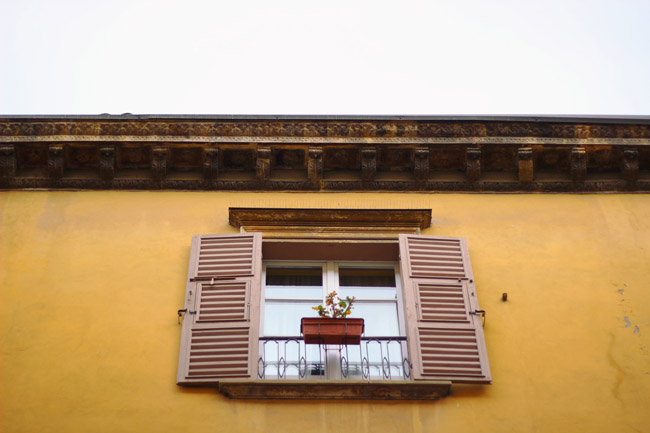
479,313
184,310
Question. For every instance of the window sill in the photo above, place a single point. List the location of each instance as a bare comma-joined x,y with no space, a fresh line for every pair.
334,389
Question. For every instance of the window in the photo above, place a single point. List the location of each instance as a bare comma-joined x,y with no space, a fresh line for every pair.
291,289
222,328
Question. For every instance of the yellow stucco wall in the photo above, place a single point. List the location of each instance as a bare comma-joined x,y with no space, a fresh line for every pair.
90,283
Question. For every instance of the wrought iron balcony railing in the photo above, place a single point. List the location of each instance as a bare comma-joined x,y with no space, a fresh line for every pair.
376,358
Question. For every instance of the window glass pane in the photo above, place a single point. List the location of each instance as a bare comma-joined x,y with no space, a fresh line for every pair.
366,277
380,318
312,293
368,292
283,276
283,318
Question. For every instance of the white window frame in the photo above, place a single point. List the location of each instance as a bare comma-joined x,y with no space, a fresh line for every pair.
330,282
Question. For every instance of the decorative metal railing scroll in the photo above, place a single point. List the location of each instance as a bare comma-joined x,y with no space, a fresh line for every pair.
376,358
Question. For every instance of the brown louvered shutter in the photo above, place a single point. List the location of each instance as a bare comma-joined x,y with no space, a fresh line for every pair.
221,325
445,334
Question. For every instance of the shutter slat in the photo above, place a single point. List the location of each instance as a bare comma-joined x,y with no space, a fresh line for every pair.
223,341
442,316
449,301
451,253
221,351
216,302
224,240
428,267
232,253
459,372
221,364
226,307
220,317
226,257
459,339
215,373
222,288
217,262
442,308
451,357
222,245
222,359
422,252
452,345
221,270
216,332
223,249
454,366
447,351
430,240
208,259
440,288
219,346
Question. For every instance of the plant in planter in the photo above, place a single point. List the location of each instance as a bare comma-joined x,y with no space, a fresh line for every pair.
335,307
333,326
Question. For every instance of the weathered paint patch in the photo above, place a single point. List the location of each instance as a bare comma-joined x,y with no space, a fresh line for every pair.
627,322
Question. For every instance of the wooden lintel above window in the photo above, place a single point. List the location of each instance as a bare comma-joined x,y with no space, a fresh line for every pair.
330,223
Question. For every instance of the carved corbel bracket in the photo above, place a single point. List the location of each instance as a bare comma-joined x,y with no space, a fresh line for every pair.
421,164
7,162
159,164
630,168
368,164
525,161
107,163
263,164
578,164
55,162
473,161
315,165
210,163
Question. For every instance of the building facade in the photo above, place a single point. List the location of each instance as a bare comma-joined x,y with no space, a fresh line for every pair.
98,216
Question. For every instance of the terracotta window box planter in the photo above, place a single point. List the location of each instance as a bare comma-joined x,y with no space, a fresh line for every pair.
316,330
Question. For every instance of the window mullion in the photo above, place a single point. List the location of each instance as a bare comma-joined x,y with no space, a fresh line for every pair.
331,279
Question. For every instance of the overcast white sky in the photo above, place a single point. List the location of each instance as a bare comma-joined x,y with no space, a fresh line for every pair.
327,57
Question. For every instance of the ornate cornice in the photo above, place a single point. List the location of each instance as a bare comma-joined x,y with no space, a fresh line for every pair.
155,129
325,153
